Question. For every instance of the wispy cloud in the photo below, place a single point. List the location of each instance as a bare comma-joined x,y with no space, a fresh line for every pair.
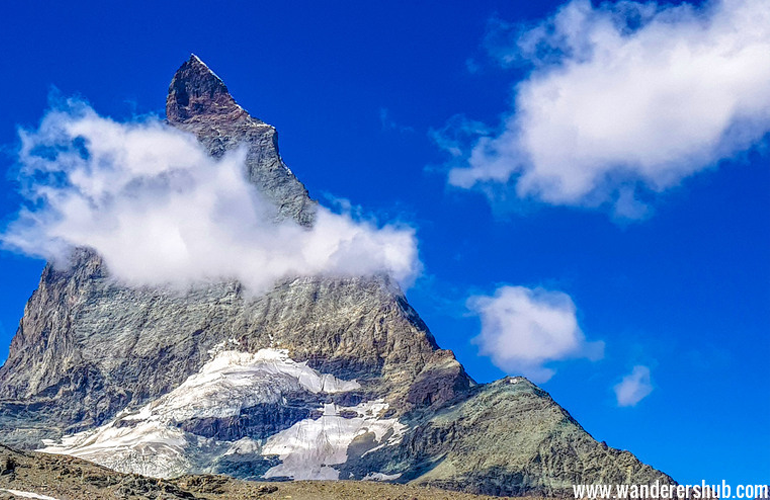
472,66
634,387
523,329
388,123
160,211
458,135
626,99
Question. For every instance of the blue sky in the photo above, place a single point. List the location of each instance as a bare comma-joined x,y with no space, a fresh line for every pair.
365,96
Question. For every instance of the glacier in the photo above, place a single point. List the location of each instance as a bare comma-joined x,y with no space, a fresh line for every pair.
309,448
149,441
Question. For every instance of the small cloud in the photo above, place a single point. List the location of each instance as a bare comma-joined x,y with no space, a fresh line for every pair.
628,207
458,135
624,100
472,66
522,329
634,387
160,211
500,36
389,124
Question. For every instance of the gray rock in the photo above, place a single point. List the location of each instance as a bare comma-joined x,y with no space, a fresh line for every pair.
199,102
505,438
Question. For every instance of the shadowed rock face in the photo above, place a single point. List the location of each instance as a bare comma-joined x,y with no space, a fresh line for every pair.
89,351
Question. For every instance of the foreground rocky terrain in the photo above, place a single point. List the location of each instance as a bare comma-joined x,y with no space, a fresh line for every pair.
68,478
319,378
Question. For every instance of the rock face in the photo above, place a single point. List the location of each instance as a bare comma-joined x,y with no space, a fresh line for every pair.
320,378
198,102
505,438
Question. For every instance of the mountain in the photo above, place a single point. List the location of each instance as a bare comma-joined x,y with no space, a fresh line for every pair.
319,378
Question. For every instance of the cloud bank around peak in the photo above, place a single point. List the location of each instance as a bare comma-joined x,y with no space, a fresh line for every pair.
523,329
626,98
161,212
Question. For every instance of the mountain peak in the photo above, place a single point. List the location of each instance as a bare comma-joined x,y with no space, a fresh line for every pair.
198,63
199,102
196,91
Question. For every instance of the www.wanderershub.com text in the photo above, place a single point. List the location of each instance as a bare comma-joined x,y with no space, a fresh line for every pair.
671,491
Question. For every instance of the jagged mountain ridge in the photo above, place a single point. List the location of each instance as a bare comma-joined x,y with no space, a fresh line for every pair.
92,359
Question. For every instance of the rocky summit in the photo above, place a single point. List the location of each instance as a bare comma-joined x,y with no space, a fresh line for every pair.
319,378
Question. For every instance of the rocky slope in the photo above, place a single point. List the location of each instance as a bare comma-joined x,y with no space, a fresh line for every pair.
67,478
320,378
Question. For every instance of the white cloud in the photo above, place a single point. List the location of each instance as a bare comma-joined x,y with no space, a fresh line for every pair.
522,329
388,123
634,387
626,98
160,211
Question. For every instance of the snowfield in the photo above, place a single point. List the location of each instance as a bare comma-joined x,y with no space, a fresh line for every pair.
149,442
309,447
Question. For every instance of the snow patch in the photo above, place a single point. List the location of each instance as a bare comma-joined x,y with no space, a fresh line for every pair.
379,476
225,345
150,448
244,446
235,380
310,447
27,494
